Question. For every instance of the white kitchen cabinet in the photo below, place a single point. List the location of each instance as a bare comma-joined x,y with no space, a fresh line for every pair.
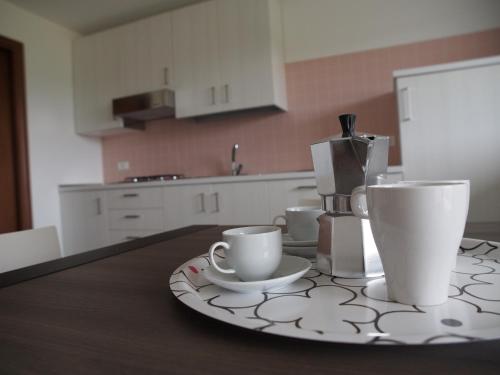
161,61
96,79
133,213
101,216
242,203
195,59
189,205
134,48
84,221
126,60
150,219
228,56
135,198
449,127
251,54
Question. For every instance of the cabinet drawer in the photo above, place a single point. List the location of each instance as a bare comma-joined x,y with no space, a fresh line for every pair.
135,198
302,192
117,236
144,219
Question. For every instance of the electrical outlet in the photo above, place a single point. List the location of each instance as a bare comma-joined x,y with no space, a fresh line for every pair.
123,165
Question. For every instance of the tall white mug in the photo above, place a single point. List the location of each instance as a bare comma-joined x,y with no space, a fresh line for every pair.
430,182
417,228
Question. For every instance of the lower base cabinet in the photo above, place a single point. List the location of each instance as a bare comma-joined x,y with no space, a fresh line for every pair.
97,218
241,203
189,205
84,221
238,203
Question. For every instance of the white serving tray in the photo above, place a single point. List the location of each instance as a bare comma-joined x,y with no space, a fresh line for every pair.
326,308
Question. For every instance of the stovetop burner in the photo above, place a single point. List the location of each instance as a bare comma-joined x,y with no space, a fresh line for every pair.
159,177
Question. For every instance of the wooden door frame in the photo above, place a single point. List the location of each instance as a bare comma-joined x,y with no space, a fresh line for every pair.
20,132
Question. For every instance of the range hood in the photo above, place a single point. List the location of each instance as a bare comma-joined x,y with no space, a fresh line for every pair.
135,110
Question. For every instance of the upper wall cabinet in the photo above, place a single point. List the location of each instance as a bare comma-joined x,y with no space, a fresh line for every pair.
228,56
218,56
126,60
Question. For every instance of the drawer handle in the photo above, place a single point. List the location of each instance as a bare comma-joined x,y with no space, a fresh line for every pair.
212,95
306,187
99,206
216,197
226,93
131,216
202,202
130,195
129,238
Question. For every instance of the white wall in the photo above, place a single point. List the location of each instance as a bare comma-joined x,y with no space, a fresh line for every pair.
319,28
56,154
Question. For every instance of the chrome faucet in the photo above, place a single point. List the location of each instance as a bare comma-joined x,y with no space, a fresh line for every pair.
235,167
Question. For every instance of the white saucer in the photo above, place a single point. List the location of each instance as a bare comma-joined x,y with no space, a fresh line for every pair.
290,269
286,240
301,251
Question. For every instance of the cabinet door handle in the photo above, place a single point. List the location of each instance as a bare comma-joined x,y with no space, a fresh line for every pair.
99,207
306,187
226,93
165,76
405,102
128,238
131,216
216,197
130,195
202,202
212,95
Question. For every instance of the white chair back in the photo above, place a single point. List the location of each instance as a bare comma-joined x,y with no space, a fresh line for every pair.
28,247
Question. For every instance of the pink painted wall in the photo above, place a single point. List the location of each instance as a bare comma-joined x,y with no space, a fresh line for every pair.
271,141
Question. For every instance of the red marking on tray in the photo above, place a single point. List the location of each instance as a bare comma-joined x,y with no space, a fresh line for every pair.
193,269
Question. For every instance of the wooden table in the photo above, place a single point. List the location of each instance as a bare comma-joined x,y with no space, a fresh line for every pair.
117,315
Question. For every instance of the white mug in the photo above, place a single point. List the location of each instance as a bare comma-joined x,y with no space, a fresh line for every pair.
301,222
253,253
426,182
417,228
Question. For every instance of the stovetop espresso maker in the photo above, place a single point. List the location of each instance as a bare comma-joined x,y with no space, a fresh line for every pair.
345,243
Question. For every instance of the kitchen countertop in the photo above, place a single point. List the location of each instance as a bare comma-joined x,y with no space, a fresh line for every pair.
201,180
111,311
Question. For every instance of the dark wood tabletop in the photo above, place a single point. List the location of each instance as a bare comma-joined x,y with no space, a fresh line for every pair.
111,311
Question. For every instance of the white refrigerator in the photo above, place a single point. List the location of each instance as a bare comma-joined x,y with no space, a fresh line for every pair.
449,123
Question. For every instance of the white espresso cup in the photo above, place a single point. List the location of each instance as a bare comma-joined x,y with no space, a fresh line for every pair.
301,222
417,228
252,253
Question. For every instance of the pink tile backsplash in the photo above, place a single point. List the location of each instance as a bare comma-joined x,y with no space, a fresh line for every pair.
273,141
